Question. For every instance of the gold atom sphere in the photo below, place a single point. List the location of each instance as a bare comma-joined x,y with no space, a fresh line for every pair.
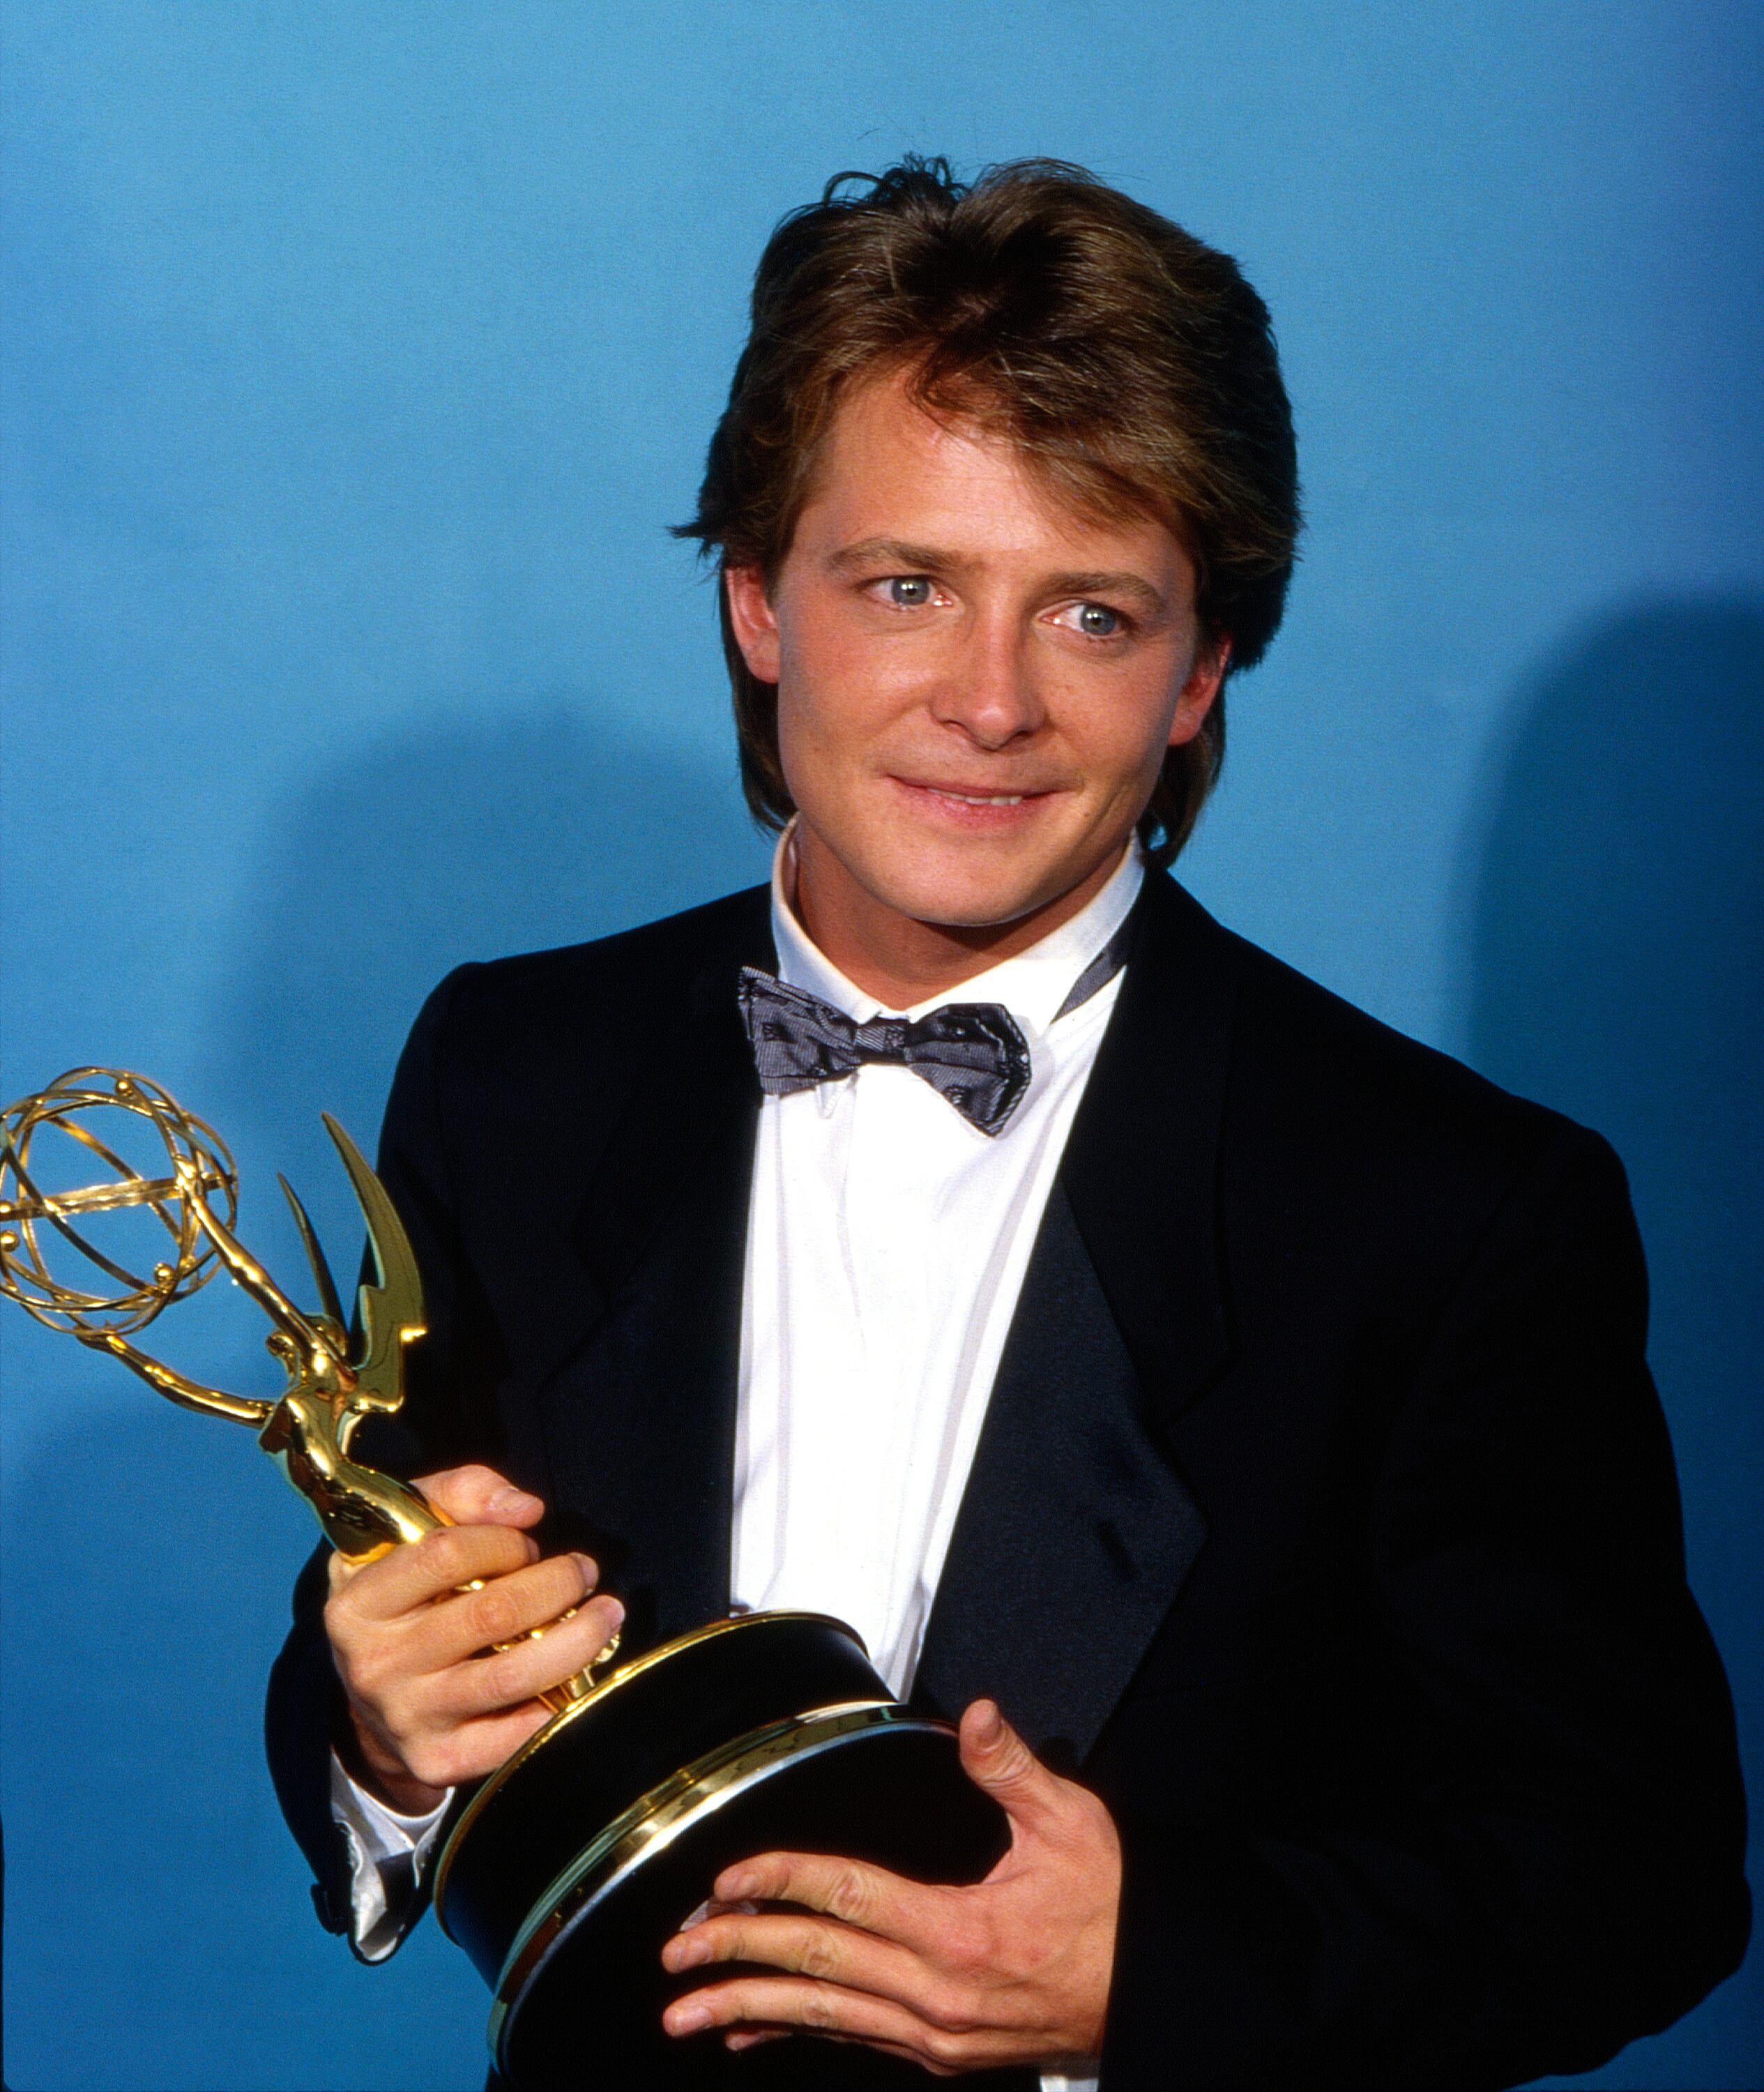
33,1222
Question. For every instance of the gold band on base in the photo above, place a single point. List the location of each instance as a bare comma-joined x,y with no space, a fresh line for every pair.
537,1742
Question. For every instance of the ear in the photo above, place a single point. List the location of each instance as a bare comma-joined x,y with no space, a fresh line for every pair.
756,627
1206,681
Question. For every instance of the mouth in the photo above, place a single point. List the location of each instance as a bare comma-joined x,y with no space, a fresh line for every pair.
964,797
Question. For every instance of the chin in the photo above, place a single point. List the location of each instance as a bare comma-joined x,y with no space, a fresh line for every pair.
958,896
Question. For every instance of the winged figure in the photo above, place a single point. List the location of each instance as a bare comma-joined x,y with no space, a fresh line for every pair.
333,1381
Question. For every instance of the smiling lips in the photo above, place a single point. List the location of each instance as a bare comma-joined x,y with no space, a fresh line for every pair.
975,796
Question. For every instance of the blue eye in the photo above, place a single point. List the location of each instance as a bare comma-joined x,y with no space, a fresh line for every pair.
910,591
1098,619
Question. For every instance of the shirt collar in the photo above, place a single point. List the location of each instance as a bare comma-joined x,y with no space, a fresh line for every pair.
1032,985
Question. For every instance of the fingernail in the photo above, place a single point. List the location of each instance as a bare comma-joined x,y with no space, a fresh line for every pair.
682,1952
616,1615
990,1726
686,2019
591,1572
511,1502
732,1887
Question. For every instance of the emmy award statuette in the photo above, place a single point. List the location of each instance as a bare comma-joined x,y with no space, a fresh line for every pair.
563,1873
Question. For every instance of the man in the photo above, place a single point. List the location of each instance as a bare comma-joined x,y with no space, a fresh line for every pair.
1235,1413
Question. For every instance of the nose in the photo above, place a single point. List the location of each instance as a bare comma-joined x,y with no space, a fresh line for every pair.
989,689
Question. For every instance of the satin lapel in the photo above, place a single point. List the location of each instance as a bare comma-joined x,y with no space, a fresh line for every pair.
1075,1531
1141,1166
640,1421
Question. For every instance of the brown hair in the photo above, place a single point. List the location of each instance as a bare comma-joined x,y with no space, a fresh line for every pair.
1131,363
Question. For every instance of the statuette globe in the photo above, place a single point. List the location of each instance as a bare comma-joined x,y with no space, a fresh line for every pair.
105,1256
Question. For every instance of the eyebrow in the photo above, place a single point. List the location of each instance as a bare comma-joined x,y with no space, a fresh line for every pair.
903,556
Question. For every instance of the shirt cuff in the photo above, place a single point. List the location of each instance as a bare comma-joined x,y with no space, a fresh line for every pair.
389,1855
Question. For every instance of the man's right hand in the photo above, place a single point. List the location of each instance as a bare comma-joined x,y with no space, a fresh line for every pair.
433,1701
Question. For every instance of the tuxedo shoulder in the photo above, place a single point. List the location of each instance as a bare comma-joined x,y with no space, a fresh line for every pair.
1311,1058
545,1039
602,974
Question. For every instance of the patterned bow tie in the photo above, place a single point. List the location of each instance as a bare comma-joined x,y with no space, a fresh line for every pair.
971,1053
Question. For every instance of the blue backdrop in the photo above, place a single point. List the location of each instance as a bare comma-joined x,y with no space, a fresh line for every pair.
357,357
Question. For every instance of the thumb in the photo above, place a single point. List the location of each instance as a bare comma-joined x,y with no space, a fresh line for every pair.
996,1759
478,1495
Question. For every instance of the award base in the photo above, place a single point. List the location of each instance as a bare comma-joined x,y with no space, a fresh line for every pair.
573,1864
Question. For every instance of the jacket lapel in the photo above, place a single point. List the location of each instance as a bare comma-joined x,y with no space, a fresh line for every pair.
640,1419
1142,1165
1075,1531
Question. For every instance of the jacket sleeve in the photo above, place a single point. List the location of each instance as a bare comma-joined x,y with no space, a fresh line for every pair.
306,1712
1561,1874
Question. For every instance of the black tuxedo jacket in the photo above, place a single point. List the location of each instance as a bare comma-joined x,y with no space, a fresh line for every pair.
1324,1519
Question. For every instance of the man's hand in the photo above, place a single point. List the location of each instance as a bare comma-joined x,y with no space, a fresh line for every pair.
431,1707
1014,1970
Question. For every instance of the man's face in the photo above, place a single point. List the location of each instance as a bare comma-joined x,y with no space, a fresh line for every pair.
976,683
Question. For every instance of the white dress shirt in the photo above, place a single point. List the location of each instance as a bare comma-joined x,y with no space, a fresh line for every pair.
887,1241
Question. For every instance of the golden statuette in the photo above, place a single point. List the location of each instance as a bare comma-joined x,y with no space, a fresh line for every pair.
48,1238
565,1871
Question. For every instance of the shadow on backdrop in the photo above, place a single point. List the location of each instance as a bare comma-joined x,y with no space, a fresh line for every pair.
1618,947
161,1931
464,838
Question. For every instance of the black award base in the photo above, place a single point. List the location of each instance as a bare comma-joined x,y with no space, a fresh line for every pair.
572,1865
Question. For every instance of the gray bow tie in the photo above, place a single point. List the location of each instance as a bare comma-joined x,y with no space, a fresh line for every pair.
971,1053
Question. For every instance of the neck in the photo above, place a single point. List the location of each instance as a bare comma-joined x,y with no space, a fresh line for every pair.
900,959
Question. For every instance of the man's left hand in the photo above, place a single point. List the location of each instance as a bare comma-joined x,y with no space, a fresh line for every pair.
1012,1970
